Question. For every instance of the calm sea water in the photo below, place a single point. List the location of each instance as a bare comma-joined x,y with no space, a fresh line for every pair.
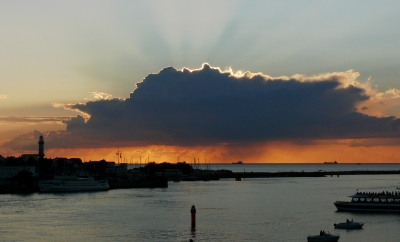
268,209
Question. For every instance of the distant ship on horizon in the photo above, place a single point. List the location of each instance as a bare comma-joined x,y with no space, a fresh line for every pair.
237,163
326,162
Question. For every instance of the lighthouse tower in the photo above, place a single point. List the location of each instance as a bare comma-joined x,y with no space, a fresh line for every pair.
41,147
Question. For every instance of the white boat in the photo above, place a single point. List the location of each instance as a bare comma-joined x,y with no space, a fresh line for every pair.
388,202
72,184
323,237
349,225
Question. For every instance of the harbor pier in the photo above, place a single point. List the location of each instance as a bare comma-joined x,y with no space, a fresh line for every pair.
242,175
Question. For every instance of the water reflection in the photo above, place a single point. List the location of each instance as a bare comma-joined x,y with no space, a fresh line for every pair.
193,232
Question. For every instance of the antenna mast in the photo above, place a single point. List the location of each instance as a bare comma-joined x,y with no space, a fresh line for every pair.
119,154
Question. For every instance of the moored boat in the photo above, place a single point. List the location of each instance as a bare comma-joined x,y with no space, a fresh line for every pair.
323,237
349,225
371,202
72,184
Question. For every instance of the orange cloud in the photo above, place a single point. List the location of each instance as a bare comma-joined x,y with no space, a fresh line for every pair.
330,150
273,152
382,104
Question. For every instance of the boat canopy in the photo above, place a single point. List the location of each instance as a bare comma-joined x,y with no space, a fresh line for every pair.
394,195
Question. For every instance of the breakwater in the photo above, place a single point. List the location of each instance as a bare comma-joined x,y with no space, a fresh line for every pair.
225,174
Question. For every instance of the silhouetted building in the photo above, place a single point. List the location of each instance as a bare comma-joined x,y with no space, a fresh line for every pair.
10,171
26,157
121,169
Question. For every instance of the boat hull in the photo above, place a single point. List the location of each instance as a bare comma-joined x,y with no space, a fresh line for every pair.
322,238
79,185
367,207
349,225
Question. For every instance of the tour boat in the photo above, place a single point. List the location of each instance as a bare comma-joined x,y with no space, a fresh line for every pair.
323,237
371,202
349,225
72,184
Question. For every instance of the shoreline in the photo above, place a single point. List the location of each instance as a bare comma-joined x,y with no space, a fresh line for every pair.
215,175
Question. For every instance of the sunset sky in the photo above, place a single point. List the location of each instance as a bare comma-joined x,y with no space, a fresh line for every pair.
211,81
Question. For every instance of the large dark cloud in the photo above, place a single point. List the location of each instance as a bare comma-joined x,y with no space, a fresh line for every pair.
207,106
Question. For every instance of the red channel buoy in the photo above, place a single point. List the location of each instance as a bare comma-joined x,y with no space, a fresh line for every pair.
193,212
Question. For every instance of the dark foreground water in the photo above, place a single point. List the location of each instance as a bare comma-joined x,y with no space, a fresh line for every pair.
268,209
